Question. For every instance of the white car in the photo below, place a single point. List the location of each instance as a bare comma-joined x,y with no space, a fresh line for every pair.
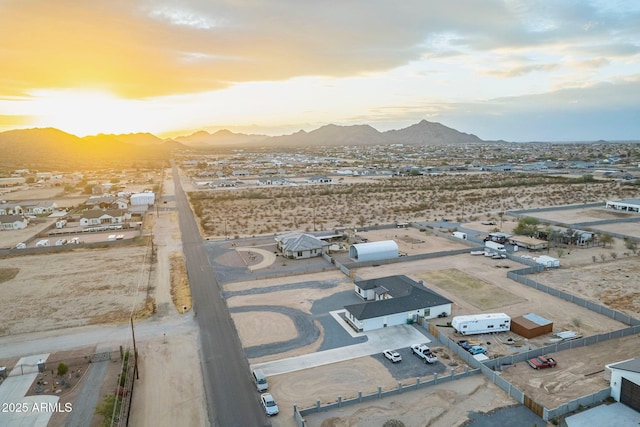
270,407
394,356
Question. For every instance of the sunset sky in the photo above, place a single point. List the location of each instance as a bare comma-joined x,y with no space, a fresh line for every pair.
514,70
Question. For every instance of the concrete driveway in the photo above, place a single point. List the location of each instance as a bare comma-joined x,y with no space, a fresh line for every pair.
379,340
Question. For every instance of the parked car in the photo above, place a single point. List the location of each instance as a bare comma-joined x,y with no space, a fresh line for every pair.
424,353
394,356
270,407
542,362
464,344
477,349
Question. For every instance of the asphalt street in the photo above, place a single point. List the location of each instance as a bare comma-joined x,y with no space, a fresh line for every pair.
231,397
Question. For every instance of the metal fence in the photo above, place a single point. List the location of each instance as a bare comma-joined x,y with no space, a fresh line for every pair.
72,361
124,390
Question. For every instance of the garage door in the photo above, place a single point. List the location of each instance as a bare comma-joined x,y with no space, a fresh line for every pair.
630,394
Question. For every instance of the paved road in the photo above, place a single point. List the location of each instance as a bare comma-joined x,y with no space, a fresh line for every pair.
231,397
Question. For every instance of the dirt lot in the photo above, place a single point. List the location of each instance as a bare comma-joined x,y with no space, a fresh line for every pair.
580,371
443,406
52,290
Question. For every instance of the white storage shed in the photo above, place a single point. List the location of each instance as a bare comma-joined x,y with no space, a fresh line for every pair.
374,251
146,198
547,261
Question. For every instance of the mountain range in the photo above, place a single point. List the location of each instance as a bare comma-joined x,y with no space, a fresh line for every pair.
421,133
50,147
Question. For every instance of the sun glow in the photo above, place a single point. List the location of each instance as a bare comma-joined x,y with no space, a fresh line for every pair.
86,112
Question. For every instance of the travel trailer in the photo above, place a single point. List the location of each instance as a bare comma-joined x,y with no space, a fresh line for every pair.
481,323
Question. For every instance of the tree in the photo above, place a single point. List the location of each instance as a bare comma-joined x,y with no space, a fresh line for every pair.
606,239
631,245
527,226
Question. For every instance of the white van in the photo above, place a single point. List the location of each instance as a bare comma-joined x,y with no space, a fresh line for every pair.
43,242
260,380
111,237
21,245
61,242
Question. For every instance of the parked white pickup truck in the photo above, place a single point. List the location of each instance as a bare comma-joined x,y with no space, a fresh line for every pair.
424,352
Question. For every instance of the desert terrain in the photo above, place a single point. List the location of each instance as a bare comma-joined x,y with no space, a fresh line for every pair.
106,284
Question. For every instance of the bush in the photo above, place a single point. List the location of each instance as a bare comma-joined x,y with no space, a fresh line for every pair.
62,369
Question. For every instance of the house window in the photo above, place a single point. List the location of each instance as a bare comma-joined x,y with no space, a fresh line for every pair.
489,326
299,253
427,312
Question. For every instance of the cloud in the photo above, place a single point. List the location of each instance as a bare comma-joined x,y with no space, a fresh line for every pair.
522,70
150,48
218,61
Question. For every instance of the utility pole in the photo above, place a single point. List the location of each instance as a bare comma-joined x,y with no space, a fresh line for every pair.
135,350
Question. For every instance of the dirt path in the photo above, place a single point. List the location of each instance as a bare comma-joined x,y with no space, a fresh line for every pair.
170,389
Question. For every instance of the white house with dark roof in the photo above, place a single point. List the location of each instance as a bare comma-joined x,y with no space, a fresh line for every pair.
320,179
393,300
625,382
39,207
10,208
100,217
13,222
300,245
628,205
30,207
